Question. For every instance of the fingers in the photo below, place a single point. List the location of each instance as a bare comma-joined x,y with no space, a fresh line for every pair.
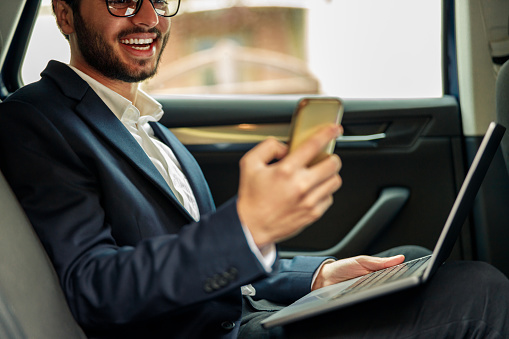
349,268
313,146
265,152
277,200
326,168
396,260
321,195
322,180
376,263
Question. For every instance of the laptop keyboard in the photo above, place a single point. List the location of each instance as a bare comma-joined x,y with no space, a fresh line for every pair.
383,276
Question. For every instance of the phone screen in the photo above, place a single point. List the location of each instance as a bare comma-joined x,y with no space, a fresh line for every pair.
312,114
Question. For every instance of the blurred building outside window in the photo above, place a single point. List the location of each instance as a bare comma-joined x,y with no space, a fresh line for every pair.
346,48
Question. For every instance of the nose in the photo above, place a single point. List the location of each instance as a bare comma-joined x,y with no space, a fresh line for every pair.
146,15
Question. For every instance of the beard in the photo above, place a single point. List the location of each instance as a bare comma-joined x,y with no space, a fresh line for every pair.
98,54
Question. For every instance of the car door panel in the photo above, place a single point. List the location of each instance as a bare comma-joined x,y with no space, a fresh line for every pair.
409,148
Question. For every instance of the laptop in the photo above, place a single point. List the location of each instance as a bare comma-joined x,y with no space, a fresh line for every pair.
408,274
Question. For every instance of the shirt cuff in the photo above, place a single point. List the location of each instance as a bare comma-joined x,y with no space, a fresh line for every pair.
318,270
266,255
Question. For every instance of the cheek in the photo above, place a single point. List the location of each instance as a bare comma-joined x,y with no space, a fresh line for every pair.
164,25
110,33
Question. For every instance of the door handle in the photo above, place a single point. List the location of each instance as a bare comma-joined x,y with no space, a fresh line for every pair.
359,141
370,140
375,220
360,138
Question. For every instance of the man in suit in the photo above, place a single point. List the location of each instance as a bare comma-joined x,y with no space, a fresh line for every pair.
123,209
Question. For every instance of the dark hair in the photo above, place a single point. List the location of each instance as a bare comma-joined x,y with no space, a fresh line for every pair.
74,4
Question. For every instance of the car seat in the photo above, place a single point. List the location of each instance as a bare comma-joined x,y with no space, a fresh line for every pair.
502,98
32,304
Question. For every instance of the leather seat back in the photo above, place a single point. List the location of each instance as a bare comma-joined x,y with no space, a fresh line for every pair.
32,304
502,97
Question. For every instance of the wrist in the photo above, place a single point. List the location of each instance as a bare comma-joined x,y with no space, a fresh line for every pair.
320,278
250,225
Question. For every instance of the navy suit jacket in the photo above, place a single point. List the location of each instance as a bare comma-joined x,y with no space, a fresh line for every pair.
130,259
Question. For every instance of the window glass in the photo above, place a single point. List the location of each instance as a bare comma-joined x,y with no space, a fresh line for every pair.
346,48
46,43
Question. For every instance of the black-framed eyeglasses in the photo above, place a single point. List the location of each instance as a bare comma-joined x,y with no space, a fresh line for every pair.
128,8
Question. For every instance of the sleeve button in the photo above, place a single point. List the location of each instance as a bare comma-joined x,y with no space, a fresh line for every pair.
221,280
228,325
233,273
207,287
214,284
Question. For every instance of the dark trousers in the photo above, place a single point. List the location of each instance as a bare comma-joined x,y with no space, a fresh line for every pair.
462,300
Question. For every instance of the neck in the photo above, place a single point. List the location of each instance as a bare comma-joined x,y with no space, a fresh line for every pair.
128,90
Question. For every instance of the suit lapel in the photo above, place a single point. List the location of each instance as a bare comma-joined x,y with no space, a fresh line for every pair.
99,117
189,166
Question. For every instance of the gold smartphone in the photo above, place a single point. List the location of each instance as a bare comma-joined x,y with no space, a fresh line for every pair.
311,115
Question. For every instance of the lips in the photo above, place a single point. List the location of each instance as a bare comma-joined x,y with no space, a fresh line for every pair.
138,44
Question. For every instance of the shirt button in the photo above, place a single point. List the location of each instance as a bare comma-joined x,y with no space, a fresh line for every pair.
228,325
131,114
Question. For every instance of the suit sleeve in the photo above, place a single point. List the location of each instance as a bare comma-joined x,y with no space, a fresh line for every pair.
290,280
106,283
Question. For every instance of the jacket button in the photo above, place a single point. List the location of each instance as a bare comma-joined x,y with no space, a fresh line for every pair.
228,325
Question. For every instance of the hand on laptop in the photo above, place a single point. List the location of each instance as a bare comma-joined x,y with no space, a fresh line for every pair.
341,270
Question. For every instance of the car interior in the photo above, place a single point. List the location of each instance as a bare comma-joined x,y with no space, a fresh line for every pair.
225,88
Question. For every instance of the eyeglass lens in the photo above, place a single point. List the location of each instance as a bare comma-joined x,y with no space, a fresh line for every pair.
131,7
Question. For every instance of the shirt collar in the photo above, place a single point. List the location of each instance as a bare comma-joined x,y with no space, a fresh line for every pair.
145,104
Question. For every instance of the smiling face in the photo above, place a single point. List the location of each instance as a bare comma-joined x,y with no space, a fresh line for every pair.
124,49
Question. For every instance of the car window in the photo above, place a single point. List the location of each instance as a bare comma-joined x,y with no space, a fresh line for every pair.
351,49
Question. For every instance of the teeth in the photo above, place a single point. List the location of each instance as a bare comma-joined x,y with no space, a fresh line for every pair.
137,41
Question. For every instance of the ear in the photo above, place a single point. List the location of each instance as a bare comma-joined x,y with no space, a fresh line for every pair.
64,16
